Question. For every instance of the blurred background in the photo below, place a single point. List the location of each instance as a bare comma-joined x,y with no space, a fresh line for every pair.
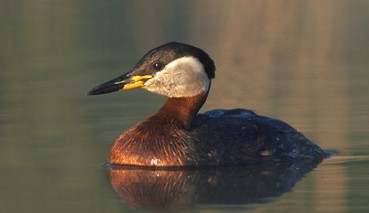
304,62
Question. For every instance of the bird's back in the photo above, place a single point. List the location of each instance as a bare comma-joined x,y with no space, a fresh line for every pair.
241,137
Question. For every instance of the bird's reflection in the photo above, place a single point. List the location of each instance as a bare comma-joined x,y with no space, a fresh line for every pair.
185,188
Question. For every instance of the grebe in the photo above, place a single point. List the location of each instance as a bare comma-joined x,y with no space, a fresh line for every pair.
176,136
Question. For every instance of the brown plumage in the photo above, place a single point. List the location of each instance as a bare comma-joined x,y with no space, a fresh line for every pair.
177,136
162,139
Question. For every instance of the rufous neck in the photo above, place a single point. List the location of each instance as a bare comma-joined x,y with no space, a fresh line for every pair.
182,110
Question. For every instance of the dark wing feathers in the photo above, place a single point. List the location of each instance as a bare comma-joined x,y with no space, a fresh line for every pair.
235,136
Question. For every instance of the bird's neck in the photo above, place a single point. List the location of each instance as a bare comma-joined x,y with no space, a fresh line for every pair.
181,111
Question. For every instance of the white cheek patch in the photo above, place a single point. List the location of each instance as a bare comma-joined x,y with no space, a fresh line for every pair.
180,78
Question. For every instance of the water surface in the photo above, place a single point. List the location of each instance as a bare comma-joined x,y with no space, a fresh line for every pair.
303,62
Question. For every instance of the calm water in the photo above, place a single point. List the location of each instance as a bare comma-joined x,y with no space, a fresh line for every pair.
304,62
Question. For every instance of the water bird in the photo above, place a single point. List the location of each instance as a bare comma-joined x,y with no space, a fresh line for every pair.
178,136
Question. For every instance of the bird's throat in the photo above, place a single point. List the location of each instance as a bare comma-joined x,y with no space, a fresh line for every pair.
181,111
